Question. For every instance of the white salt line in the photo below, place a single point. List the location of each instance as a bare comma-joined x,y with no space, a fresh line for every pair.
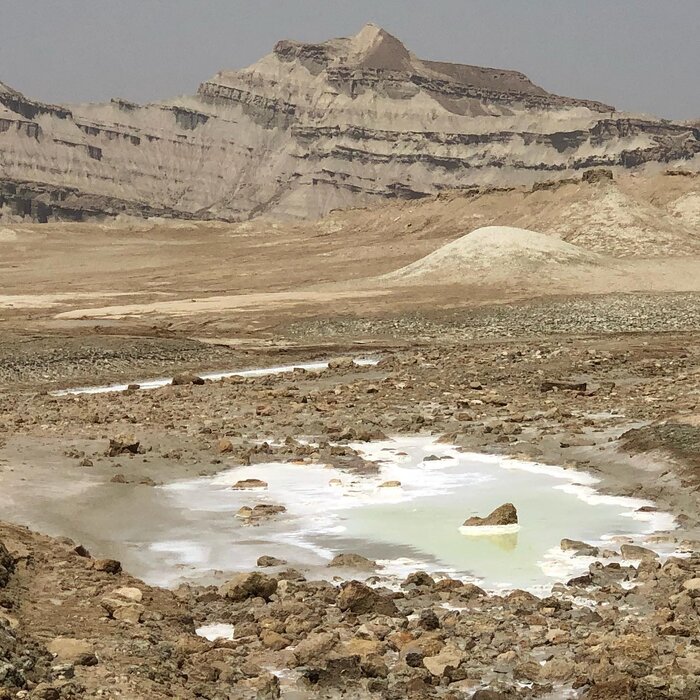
213,376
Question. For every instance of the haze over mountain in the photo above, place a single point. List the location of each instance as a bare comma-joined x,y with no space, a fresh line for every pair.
314,127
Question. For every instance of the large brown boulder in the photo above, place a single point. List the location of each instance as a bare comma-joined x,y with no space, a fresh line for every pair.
503,515
360,599
244,586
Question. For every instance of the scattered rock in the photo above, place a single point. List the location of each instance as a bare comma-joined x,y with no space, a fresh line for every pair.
110,566
341,363
576,441
129,593
124,444
266,561
360,599
353,561
448,658
581,549
314,647
252,585
551,385
7,565
225,446
419,579
129,612
184,378
249,484
634,551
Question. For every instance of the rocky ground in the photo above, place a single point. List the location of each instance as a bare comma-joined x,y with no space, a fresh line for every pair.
622,405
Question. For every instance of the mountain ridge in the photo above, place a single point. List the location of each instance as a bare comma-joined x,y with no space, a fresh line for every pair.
314,127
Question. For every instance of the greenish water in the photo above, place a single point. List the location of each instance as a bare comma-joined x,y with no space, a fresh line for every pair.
412,527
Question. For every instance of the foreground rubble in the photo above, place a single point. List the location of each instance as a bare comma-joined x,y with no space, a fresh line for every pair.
623,408
72,628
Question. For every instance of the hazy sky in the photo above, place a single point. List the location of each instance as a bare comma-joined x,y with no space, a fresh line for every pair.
640,55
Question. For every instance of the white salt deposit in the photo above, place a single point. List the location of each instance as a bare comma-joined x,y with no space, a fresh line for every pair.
488,530
216,631
415,527
213,376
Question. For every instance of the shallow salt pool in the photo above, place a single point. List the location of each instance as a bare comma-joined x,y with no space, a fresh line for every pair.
415,526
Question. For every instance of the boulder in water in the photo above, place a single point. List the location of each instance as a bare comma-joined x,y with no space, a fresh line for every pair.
580,549
353,561
249,484
266,561
503,515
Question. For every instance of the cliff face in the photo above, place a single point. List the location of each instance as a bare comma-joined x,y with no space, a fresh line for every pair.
313,127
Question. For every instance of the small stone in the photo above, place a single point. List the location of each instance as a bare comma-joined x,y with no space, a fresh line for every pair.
249,484
110,566
124,444
428,620
252,585
581,549
183,378
360,599
449,657
353,561
129,593
633,551
131,613
225,446
419,579
273,640
266,561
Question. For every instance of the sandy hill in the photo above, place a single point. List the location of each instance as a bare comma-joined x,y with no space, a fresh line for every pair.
314,127
498,255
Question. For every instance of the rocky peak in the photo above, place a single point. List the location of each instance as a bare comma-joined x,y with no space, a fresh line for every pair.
371,48
375,48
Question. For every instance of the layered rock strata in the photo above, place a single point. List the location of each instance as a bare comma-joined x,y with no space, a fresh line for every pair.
310,128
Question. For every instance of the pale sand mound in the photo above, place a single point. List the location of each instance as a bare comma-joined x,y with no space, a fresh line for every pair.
498,254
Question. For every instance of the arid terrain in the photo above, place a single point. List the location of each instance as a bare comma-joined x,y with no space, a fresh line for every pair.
354,375
558,324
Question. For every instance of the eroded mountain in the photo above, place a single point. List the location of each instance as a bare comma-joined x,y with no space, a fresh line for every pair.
314,127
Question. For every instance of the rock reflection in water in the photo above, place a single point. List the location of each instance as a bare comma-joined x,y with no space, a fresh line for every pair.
507,542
